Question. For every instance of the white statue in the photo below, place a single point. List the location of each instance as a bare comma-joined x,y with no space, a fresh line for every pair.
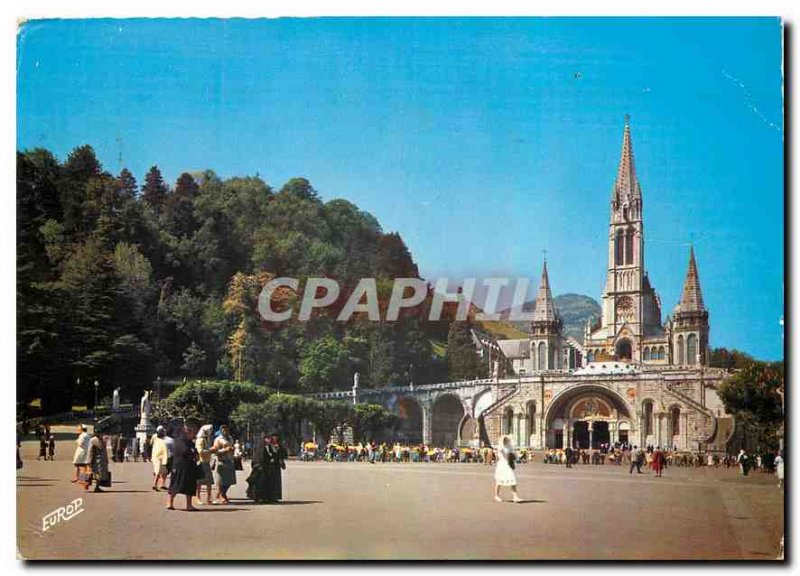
355,380
145,408
115,400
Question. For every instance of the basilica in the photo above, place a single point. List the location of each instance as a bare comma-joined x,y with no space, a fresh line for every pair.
634,378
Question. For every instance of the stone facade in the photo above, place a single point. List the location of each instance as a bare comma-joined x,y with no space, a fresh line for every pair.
633,378
611,403
636,379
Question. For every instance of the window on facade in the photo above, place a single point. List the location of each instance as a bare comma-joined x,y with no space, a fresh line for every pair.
675,421
629,247
619,247
680,350
542,357
691,349
531,418
508,421
646,355
661,353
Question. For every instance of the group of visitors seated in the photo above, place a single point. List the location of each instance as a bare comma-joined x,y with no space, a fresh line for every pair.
402,452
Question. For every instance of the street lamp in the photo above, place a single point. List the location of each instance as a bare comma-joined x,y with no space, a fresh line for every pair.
158,388
96,390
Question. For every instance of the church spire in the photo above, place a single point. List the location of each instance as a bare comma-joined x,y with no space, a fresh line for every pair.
692,296
626,184
545,310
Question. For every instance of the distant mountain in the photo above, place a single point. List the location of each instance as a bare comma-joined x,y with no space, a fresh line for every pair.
574,309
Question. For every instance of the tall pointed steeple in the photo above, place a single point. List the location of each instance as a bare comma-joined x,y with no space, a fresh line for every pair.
626,184
545,310
692,296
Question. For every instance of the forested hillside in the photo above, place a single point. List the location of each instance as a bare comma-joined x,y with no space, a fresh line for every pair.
122,281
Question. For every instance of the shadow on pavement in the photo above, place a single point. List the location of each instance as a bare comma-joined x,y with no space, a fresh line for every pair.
281,503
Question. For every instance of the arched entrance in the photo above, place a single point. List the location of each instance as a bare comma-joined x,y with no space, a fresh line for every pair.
410,428
469,431
447,414
585,416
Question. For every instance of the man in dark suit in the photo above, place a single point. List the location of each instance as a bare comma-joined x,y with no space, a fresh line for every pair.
637,459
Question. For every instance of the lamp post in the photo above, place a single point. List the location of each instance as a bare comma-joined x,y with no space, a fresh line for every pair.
96,391
158,388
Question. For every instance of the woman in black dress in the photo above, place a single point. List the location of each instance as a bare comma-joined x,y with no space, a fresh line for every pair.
264,483
275,464
184,468
257,482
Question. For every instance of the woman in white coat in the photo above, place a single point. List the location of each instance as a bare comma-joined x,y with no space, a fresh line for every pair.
779,469
81,458
504,471
158,457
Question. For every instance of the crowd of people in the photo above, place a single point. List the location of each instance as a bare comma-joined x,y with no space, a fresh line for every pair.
196,457
619,454
190,457
402,452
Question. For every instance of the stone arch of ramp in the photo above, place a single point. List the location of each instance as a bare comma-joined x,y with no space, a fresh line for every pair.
412,417
447,413
481,401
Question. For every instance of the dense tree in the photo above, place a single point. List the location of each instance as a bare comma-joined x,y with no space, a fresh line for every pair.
154,191
729,359
121,287
324,365
371,420
754,395
463,363
211,401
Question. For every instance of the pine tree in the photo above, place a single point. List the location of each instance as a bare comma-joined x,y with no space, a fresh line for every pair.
154,191
463,362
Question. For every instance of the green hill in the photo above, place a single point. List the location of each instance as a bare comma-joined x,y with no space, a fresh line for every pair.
575,310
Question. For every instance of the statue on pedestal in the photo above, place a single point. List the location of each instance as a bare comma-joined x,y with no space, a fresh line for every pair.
355,388
115,400
145,408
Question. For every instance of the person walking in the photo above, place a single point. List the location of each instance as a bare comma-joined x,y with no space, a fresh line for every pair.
225,469
42,446
637,459
119,448
743,461
98,457
568,454
203,447
80,459
658,461
51,447
185,471
159,456
504,471
258,488
275,463
779,468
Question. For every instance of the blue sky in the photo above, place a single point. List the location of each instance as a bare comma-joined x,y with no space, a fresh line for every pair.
482,141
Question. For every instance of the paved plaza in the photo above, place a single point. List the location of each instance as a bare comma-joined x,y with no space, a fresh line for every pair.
410,511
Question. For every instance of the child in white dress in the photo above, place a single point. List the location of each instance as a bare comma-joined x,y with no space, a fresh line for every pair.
504,472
